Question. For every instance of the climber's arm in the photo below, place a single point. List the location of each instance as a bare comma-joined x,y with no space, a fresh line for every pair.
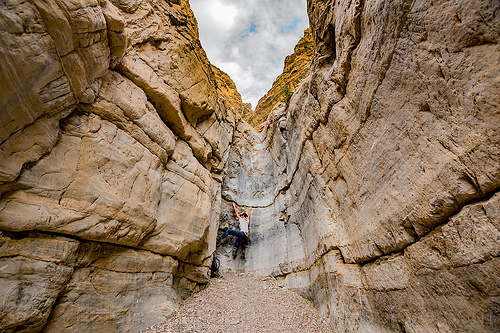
249,210
236,211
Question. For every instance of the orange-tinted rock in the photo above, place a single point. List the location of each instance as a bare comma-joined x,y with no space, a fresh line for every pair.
297,67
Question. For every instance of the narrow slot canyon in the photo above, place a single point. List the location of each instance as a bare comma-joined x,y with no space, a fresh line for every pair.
373,184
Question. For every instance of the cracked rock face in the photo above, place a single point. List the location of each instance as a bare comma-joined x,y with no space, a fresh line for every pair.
374,189
110,163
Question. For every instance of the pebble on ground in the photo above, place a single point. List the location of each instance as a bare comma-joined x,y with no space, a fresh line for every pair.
244,303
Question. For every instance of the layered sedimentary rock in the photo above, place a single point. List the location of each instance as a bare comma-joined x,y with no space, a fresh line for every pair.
296,68
376,188
110,163
232,97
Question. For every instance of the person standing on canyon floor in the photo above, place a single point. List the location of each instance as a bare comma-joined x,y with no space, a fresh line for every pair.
242,235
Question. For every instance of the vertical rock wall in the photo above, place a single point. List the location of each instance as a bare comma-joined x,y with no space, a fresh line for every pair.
376,189
113,138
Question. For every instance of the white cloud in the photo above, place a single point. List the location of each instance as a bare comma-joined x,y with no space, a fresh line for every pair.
249,39
220,13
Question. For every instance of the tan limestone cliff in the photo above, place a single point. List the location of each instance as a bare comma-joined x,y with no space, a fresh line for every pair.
111,157
228,89
296,68
376,189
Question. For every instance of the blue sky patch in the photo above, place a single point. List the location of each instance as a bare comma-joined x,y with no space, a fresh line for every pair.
292,27
249,39
253,28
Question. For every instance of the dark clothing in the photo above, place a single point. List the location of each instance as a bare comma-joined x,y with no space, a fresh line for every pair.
240,236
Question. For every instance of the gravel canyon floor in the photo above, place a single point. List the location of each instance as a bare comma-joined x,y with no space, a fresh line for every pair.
243,303
375,187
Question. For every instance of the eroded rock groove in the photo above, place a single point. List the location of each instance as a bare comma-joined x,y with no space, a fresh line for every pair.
375,187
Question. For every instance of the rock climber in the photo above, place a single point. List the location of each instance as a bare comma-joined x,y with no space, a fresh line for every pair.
242,235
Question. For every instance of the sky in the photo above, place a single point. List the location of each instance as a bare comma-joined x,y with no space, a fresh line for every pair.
249,39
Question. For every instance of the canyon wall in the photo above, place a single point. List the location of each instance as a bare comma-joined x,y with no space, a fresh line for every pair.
376,189
113,139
